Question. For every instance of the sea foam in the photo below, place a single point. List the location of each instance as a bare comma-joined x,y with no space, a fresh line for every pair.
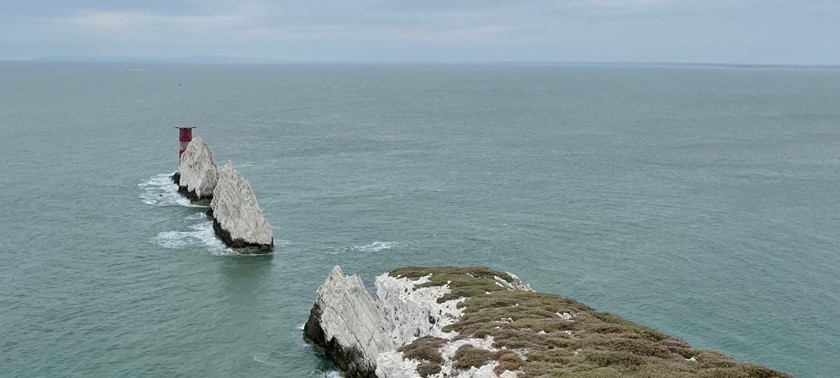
200,235
159,190
375,246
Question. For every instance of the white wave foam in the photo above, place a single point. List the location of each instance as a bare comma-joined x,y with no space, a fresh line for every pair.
375,246
197,216
159,190
325,374
201,235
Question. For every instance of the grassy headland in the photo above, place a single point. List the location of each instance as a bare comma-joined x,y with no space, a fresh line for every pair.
546,335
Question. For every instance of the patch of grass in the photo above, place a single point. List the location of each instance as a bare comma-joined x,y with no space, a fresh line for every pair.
507,361
468,356
590,344
480,280
426,348
427,368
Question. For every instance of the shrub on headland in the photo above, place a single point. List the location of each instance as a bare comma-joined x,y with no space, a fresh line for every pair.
558,337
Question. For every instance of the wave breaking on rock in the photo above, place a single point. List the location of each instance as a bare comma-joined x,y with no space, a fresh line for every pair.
237,218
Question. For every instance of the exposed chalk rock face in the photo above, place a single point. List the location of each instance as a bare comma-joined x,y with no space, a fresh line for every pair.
413,311
355,331
197,173
348,325
237,218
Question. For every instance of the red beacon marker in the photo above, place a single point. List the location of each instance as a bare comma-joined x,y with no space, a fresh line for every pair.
184,136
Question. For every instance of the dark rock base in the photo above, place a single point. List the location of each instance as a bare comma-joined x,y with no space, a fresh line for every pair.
190,194
347,361
238,245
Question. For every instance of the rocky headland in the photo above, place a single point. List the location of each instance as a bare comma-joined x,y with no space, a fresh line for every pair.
197,173
475,322
237,218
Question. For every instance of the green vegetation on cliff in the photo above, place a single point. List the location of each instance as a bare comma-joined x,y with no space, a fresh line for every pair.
546,335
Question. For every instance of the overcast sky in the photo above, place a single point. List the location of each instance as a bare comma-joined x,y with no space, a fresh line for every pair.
720,31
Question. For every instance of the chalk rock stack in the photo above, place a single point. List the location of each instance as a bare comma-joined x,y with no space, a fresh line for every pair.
348,325
354,330
237,218
196,176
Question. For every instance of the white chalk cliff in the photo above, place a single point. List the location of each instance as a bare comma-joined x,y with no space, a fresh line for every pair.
360,335
348,324
197,174
238,220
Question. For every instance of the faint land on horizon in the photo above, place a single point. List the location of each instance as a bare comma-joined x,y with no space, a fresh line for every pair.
210,59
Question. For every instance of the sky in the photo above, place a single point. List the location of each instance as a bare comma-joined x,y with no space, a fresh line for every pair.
803,32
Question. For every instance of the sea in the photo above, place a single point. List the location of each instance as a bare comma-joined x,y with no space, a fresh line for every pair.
701,201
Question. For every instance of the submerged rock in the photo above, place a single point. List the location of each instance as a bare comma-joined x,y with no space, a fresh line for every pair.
237,218
475,322
197,173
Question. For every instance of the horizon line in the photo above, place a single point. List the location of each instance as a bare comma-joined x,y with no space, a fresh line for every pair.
257,61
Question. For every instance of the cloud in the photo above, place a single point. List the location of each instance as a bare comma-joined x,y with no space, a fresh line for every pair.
253,22
129,21
619,3
442,30
175,29
446,36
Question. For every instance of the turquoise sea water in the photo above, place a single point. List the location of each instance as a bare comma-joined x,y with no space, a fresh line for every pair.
703,202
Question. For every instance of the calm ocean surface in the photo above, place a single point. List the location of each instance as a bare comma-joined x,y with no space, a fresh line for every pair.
703,202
